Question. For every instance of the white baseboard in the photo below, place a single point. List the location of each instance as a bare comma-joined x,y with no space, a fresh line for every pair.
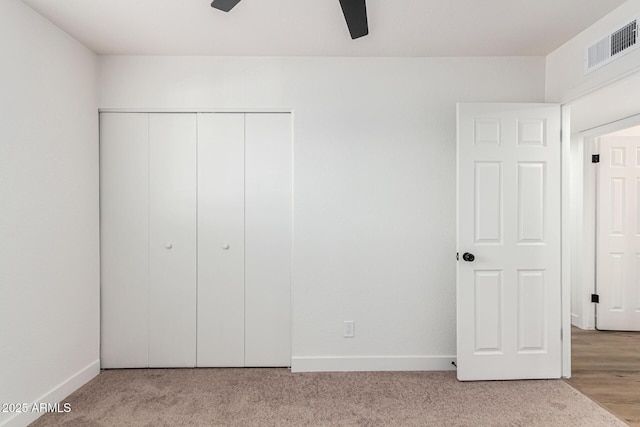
57,394
581,323
576,321
372,363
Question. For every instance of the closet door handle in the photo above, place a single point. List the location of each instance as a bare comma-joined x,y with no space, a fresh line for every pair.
226,247
168,245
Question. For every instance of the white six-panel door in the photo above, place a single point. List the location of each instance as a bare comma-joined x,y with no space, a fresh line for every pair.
618,234
508,281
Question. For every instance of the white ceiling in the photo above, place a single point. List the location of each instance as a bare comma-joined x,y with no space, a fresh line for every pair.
634,131
317,27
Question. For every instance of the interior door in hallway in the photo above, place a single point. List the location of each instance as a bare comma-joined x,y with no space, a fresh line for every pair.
618,234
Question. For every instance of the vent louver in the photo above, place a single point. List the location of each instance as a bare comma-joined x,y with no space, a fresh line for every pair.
618,43
624,38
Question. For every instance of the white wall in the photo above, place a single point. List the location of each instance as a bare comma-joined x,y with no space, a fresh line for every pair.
609,104
374,209
565,77
49,264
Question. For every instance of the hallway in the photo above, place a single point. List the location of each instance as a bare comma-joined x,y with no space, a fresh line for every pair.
606,367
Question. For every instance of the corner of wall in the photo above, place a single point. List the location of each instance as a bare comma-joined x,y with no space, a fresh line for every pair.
565,78
56,394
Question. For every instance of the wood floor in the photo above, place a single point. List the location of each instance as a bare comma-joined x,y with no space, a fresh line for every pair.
606,367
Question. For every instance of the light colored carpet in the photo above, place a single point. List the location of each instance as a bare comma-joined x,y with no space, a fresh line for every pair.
276,397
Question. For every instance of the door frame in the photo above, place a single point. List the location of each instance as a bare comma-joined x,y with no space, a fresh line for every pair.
565,239
584,214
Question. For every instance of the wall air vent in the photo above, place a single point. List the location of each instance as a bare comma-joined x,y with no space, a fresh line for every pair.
616,44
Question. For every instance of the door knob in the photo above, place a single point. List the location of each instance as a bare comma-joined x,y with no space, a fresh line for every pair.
168,246
226,247
468,257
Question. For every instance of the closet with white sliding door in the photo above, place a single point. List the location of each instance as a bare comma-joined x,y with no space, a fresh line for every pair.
195,239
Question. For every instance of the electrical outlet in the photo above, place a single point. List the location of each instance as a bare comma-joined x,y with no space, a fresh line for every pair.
349,329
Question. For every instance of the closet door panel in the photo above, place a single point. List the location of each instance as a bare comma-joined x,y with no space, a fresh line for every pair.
268,218
221,240
124,205
172,240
